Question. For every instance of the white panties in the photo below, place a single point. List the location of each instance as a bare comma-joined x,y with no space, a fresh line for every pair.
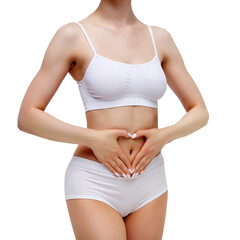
88,179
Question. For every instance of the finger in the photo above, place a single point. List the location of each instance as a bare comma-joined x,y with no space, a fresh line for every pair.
140,164
137,158
122,166
116,167
140,133
125,160
144,164
125,163
107,165
123,133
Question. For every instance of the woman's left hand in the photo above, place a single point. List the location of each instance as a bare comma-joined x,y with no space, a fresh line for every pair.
155,140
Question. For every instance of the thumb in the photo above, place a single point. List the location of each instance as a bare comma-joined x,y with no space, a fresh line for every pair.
123,133
139,133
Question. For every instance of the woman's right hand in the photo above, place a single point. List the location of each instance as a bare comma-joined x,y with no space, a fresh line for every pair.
107,150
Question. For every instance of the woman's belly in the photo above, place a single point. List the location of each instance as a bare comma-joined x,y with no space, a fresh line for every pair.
131,118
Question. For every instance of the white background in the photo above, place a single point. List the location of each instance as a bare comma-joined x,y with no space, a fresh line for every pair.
202,169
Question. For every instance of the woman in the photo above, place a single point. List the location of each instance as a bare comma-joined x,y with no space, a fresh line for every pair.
115,183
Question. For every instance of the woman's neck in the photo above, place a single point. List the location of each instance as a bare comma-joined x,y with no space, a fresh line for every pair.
118,12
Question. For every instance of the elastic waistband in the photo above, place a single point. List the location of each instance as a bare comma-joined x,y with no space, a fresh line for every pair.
88,163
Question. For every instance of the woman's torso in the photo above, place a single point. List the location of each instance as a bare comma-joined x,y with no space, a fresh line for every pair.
130,118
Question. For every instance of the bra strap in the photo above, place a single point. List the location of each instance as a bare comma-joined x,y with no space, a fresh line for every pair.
85,33
154,45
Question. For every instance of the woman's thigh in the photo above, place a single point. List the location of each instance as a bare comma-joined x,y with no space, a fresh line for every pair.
148,221
95,220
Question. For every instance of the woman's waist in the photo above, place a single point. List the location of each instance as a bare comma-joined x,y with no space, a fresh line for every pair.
129,146
131,118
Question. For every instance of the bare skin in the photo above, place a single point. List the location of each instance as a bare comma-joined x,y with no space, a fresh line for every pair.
112,24
131,118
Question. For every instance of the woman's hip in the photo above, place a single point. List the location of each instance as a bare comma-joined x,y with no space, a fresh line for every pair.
86,176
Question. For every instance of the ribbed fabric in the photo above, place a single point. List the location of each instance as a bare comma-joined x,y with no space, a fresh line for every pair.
108,83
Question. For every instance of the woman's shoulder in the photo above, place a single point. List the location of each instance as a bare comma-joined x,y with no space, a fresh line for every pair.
68,30
161,33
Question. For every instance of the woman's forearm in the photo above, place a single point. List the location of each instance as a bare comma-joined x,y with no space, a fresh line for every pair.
194,119
42,124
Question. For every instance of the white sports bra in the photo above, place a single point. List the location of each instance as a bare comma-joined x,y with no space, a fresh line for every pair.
108,83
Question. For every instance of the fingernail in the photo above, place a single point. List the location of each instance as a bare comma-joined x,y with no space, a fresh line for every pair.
133,175
131,171
117,174
134,135
142,172
129,134
124,175
128,176
137,174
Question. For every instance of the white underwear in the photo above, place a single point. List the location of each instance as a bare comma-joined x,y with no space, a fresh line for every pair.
88,179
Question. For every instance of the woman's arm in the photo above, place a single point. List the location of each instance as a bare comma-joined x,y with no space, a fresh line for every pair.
56,64
196,118
185,89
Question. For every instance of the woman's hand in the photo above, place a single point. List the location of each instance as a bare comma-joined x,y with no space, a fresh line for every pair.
107,150
155,140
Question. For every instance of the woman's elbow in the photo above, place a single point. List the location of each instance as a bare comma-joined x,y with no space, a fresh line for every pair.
23,119
205,115
20,121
